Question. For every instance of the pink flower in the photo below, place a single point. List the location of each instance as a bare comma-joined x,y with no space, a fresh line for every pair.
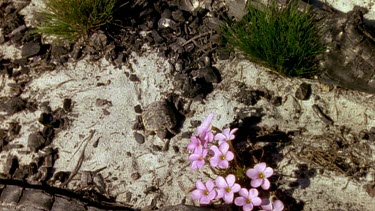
276,206
226,135
197,158
226,188
194,143
206,137
259,175
206,125
204,193
222,156
248,199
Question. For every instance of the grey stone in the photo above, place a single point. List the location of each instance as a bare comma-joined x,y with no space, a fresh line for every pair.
139,138
37,199
11,194
30,49
303,92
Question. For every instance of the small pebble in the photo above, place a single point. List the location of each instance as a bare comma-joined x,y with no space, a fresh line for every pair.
276,101
138,109
303,92
176,149
139,138
134,78
156,148
135,176
363,135
67,104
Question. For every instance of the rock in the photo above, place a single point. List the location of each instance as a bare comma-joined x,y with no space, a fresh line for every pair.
363,134
13,105
276,101
45,118
178,16
139,138
210,74
237,8
11,194
35,141
62,203
159,117
303,92
11,164
167,23
36,199
371,134
157,38
138,109
67,104
138,125
135,176
31,48
134,78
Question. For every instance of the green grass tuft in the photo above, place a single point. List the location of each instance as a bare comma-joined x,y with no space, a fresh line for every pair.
71,19
284,39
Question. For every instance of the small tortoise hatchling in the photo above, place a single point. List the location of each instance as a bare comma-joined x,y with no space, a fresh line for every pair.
160,118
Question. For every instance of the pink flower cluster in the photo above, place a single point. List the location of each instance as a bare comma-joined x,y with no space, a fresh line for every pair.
226,188
199,146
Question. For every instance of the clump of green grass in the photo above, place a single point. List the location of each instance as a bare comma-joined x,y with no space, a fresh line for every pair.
71,19
284,39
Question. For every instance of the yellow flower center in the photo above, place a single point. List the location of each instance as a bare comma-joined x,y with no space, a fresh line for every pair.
227,189
200,158
261,176
248,201
206,192
222,157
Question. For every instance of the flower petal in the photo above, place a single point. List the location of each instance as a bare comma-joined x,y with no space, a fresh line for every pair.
252,173
224,147
240,201
256,183
199,184
256,201
230,180
260,167
216,150
194,157
278,205
212,194
268,172
233,131
229,156
206,124
200,163
220,193
220,182
235,188
214,161
248,207
210,185
253,193
205,200
266,184
196,194
194,165
226,132
266,204
208,119
244,193
223,164
228,197
220,136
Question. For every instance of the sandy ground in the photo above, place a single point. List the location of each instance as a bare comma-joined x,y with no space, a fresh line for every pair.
169,170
